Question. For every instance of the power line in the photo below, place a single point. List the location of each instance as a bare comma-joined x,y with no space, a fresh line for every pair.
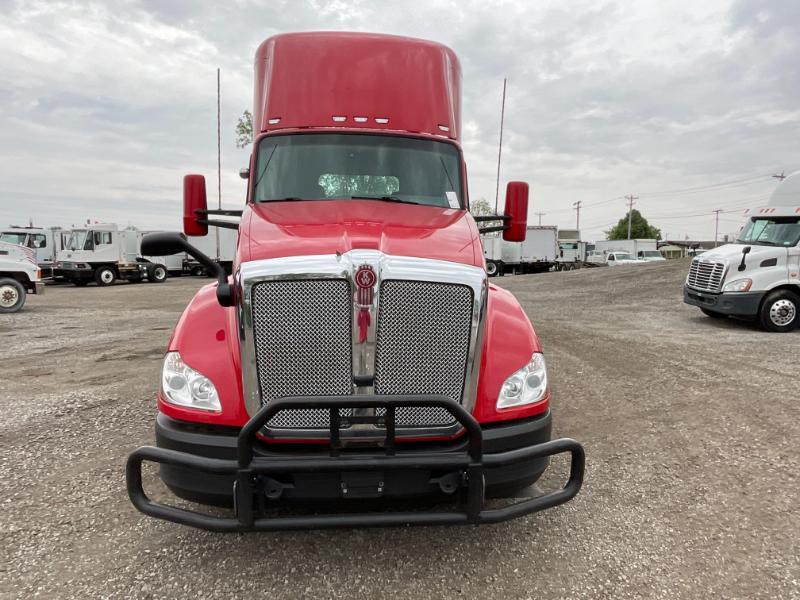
709,187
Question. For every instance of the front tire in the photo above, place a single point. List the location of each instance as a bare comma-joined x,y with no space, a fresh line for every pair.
779,311
157,274
12,295
712,314
105,276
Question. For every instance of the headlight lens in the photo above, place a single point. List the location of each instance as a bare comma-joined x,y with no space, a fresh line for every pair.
184,386
740,285
526,386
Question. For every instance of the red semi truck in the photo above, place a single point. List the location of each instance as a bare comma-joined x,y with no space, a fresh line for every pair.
358,350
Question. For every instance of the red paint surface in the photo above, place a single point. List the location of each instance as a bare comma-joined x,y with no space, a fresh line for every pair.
304,79
279,229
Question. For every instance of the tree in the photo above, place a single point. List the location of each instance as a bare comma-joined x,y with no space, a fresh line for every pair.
640,228
480,208
244,130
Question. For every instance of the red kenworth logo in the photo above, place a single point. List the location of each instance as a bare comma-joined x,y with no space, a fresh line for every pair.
365,277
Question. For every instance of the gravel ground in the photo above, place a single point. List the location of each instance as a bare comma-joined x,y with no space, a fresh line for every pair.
690,427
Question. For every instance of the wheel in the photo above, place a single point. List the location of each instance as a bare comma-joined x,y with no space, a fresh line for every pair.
105,276
491,268
12,295
779,311
157,274
198,271
713,314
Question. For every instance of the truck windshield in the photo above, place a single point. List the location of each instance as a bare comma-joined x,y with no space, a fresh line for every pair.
77,240
323,166
13,238
771,231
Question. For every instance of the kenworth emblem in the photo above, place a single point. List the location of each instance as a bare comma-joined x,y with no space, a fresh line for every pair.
365,279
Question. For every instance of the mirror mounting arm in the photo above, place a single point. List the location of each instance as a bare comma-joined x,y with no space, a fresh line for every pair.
166,243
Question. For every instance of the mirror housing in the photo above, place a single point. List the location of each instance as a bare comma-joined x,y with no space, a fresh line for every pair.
167,243
194,199
516,211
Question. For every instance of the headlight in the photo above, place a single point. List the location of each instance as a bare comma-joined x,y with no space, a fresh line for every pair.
184,386
739,285
526,386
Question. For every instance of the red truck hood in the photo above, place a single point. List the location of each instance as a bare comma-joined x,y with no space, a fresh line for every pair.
278,229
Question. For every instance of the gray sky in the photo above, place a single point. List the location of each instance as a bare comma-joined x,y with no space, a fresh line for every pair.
105,106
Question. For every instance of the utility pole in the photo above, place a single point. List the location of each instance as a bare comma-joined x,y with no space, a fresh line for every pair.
630,198
219,166
716,226
577,206
540,214
500,147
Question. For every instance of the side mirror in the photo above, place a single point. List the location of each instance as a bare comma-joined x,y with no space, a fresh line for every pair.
516,211
167,243
194,199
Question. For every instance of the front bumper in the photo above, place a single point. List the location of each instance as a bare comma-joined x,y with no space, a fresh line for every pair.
743,304
253,479
36,287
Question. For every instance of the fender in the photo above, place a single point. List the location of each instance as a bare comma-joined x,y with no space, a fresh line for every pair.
207,340
509,340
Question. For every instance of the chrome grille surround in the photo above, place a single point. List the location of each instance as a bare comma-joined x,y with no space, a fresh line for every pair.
410,422
706,275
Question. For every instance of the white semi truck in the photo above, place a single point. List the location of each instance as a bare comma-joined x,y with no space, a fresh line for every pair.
46,242
758,276
535,255
103,253
19,276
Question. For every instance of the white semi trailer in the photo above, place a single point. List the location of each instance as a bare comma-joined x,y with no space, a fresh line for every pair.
103,253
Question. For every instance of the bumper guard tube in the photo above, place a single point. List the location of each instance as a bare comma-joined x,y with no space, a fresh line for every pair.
248,470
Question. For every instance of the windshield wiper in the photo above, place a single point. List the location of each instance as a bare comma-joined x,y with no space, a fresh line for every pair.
384,199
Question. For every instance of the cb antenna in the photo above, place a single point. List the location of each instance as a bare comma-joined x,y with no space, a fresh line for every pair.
500,147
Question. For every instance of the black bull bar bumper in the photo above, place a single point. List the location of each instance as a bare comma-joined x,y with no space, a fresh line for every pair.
247,469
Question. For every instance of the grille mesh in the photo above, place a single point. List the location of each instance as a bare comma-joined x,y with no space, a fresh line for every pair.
422,344
302,338
706,276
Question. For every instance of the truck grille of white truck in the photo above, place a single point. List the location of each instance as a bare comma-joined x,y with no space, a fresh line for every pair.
706,276
303,333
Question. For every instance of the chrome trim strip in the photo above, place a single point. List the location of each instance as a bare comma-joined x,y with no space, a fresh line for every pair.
344,266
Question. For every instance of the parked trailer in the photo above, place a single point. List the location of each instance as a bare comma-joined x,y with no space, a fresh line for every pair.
103,253
536,254
46,242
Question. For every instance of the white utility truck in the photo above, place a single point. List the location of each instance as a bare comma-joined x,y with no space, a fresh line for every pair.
45,242
103,253
535,255
758,276
19,276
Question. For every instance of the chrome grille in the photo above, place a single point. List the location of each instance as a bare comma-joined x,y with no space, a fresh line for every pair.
422,345
706,275
302,341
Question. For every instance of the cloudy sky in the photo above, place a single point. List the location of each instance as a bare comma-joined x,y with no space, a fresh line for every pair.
689,105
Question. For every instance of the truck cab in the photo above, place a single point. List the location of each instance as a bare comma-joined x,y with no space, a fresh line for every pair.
758,276
45,242
19,276
358,351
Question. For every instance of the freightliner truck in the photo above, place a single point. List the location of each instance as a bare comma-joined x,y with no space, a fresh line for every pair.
358,352
758,276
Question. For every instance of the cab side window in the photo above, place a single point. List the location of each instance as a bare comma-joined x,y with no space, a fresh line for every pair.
38,241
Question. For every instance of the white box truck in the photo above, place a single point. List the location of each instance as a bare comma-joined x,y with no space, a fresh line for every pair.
758,276
535,255
103,253
571,250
